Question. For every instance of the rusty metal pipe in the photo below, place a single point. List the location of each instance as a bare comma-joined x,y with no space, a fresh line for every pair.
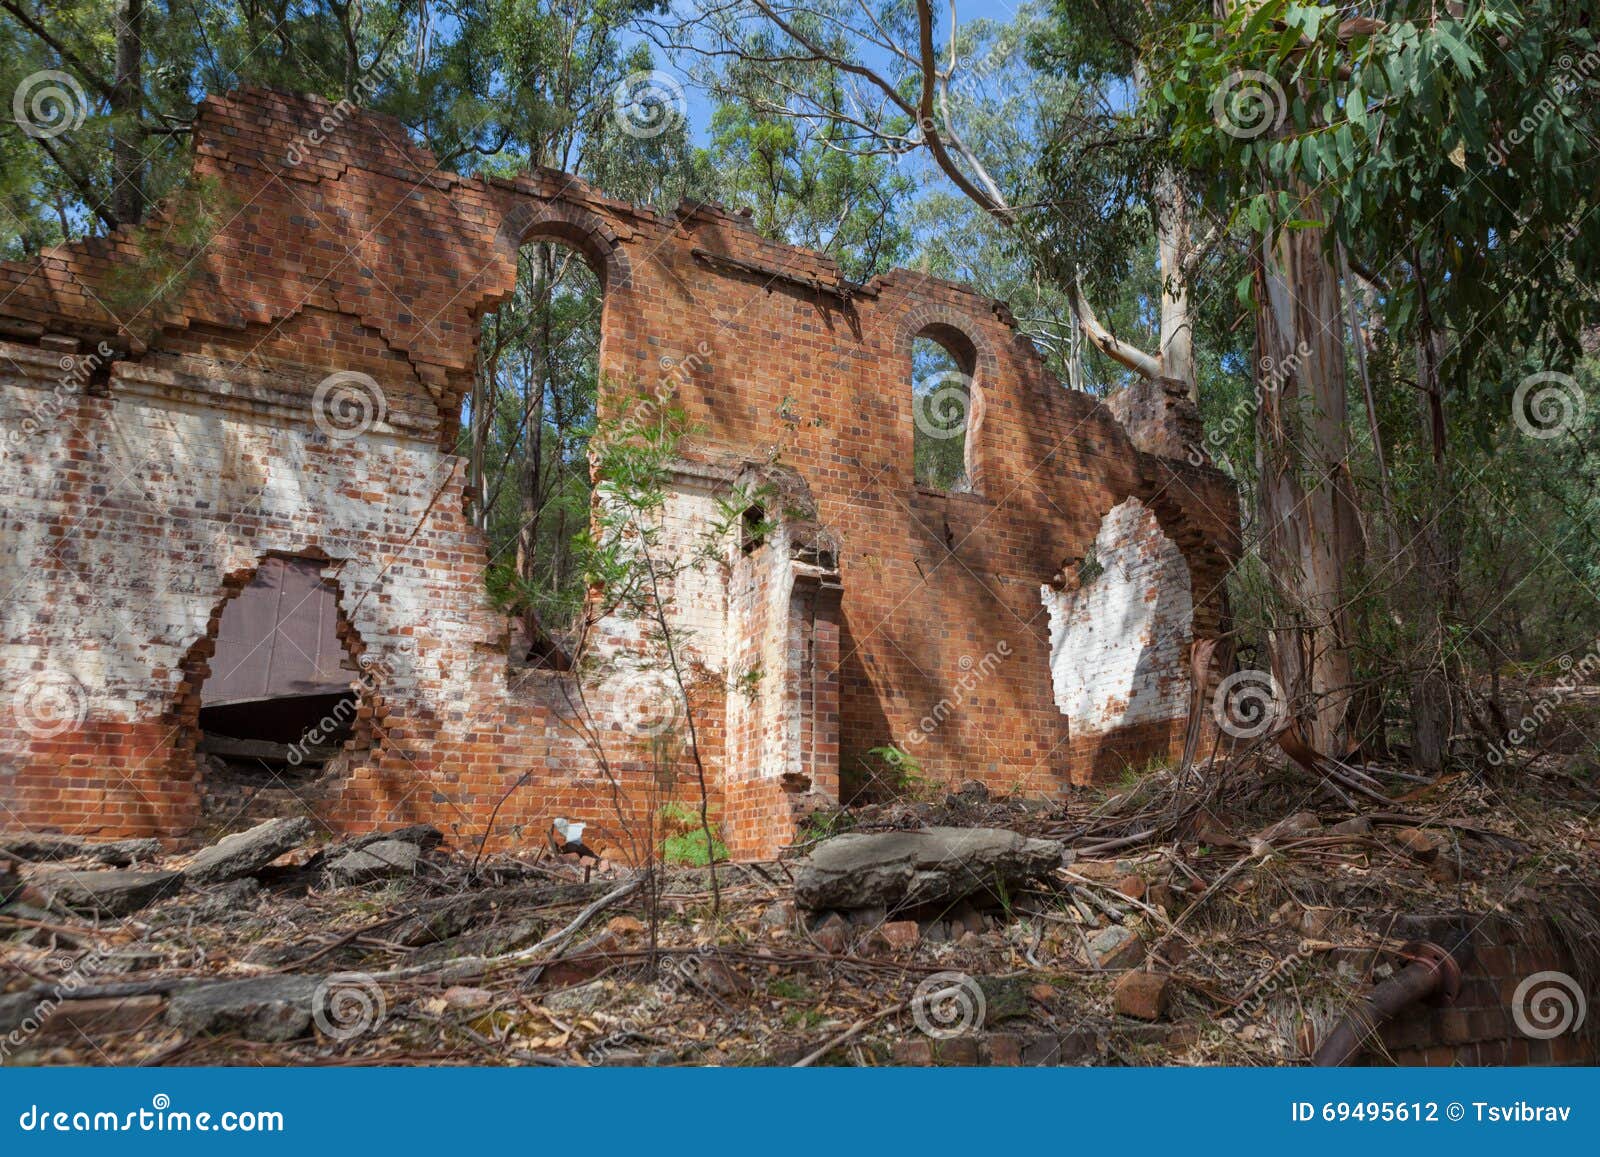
1434,970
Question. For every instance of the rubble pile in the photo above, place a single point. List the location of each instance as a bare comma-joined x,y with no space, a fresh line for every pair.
1225,918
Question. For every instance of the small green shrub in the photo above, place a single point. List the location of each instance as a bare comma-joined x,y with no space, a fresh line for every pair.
685,841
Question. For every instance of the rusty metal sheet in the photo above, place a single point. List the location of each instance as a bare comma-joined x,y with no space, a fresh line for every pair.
279,638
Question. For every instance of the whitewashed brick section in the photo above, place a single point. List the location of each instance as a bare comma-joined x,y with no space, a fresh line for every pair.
218,489
763,726
1117,644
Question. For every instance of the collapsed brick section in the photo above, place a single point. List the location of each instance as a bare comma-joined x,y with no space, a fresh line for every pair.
159,447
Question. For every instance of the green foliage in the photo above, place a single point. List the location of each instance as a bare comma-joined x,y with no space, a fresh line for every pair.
825,825
538,385
168,247
748,682
802,178
1451,153
941,402
688,844
904,769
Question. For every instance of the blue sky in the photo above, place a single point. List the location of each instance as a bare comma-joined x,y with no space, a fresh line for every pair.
700,107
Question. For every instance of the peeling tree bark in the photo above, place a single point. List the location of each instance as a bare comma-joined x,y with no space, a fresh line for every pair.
1174,240
1310,534
1435,569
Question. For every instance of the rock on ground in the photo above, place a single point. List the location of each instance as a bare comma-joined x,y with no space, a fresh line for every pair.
30,1019
1141,994
230,901
114,853
263,1008
934,865
1116,947
492,941
424,836
376,861
106,893
246,853
1004,998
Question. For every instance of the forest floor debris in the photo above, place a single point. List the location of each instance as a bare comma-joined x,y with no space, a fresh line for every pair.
1255,911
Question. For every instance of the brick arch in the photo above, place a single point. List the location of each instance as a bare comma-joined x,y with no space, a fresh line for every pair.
1209,563
959,333
584,231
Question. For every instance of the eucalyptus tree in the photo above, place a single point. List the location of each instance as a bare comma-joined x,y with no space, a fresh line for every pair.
1440,161
899,79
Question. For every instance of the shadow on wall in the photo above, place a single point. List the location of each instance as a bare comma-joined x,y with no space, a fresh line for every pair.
1119,627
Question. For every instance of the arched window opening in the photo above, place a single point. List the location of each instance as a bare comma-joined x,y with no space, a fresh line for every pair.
941,404
528,422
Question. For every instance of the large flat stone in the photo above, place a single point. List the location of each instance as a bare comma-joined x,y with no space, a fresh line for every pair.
377,861
934,865
106,893
424,836
245,853
263,1008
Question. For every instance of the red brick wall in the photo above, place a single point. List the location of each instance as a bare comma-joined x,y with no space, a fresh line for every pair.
133,509
1479,1026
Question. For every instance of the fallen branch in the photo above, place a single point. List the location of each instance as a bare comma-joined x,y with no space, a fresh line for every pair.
846,1036
475,965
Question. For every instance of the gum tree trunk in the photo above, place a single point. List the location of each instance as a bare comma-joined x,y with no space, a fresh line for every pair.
1306,508
127,163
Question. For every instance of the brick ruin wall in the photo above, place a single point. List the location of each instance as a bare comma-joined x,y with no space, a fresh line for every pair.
1032,633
